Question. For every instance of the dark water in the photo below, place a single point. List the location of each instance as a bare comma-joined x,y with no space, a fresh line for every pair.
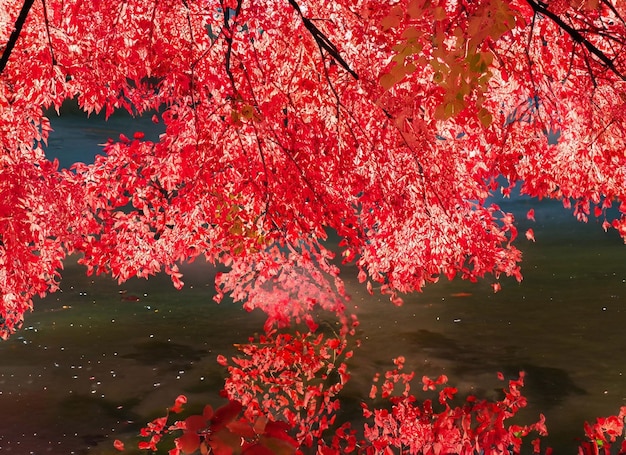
89,367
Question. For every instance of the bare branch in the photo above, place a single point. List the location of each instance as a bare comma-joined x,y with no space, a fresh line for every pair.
45,18
322,40
576,36
19,23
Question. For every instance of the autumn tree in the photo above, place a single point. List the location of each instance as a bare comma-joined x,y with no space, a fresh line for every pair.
388,123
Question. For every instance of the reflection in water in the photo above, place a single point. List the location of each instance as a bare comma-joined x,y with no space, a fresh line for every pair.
547,385
90,367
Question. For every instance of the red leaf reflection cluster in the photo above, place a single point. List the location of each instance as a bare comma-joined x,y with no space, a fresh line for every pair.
276,407
295,378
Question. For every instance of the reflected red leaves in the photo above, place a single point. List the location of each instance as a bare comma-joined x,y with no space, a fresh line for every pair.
178,404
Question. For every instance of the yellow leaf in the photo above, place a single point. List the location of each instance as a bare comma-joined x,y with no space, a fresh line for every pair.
415,9
587,5
485,117
411,32
487,57
387,81
393,19
439,13
247,111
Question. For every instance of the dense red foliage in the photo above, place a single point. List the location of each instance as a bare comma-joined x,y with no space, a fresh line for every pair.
389,123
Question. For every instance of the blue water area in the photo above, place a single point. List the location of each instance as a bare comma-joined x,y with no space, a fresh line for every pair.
98,359
79,138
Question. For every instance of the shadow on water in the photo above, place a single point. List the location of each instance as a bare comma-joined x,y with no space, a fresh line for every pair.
176,355
547,385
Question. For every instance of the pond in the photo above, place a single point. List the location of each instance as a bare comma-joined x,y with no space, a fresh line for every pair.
98,360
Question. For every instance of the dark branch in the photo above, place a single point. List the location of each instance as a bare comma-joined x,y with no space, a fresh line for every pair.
228,36
322,40
19,23
576,36
45,17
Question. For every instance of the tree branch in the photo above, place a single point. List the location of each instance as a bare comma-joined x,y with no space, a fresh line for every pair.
19,23
322,40
539,7
45,17
228,36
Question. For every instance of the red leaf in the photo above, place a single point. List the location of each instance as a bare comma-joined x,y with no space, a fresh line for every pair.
257,449
196,423
226,414
279,430
241,428
178,403
188,442
207,412
119,445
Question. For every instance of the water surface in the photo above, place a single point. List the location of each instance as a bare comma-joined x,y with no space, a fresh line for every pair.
89,366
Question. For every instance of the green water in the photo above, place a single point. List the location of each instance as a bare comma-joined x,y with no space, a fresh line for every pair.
563,325
89,367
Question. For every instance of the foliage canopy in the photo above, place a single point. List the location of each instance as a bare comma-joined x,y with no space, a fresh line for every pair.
387,122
